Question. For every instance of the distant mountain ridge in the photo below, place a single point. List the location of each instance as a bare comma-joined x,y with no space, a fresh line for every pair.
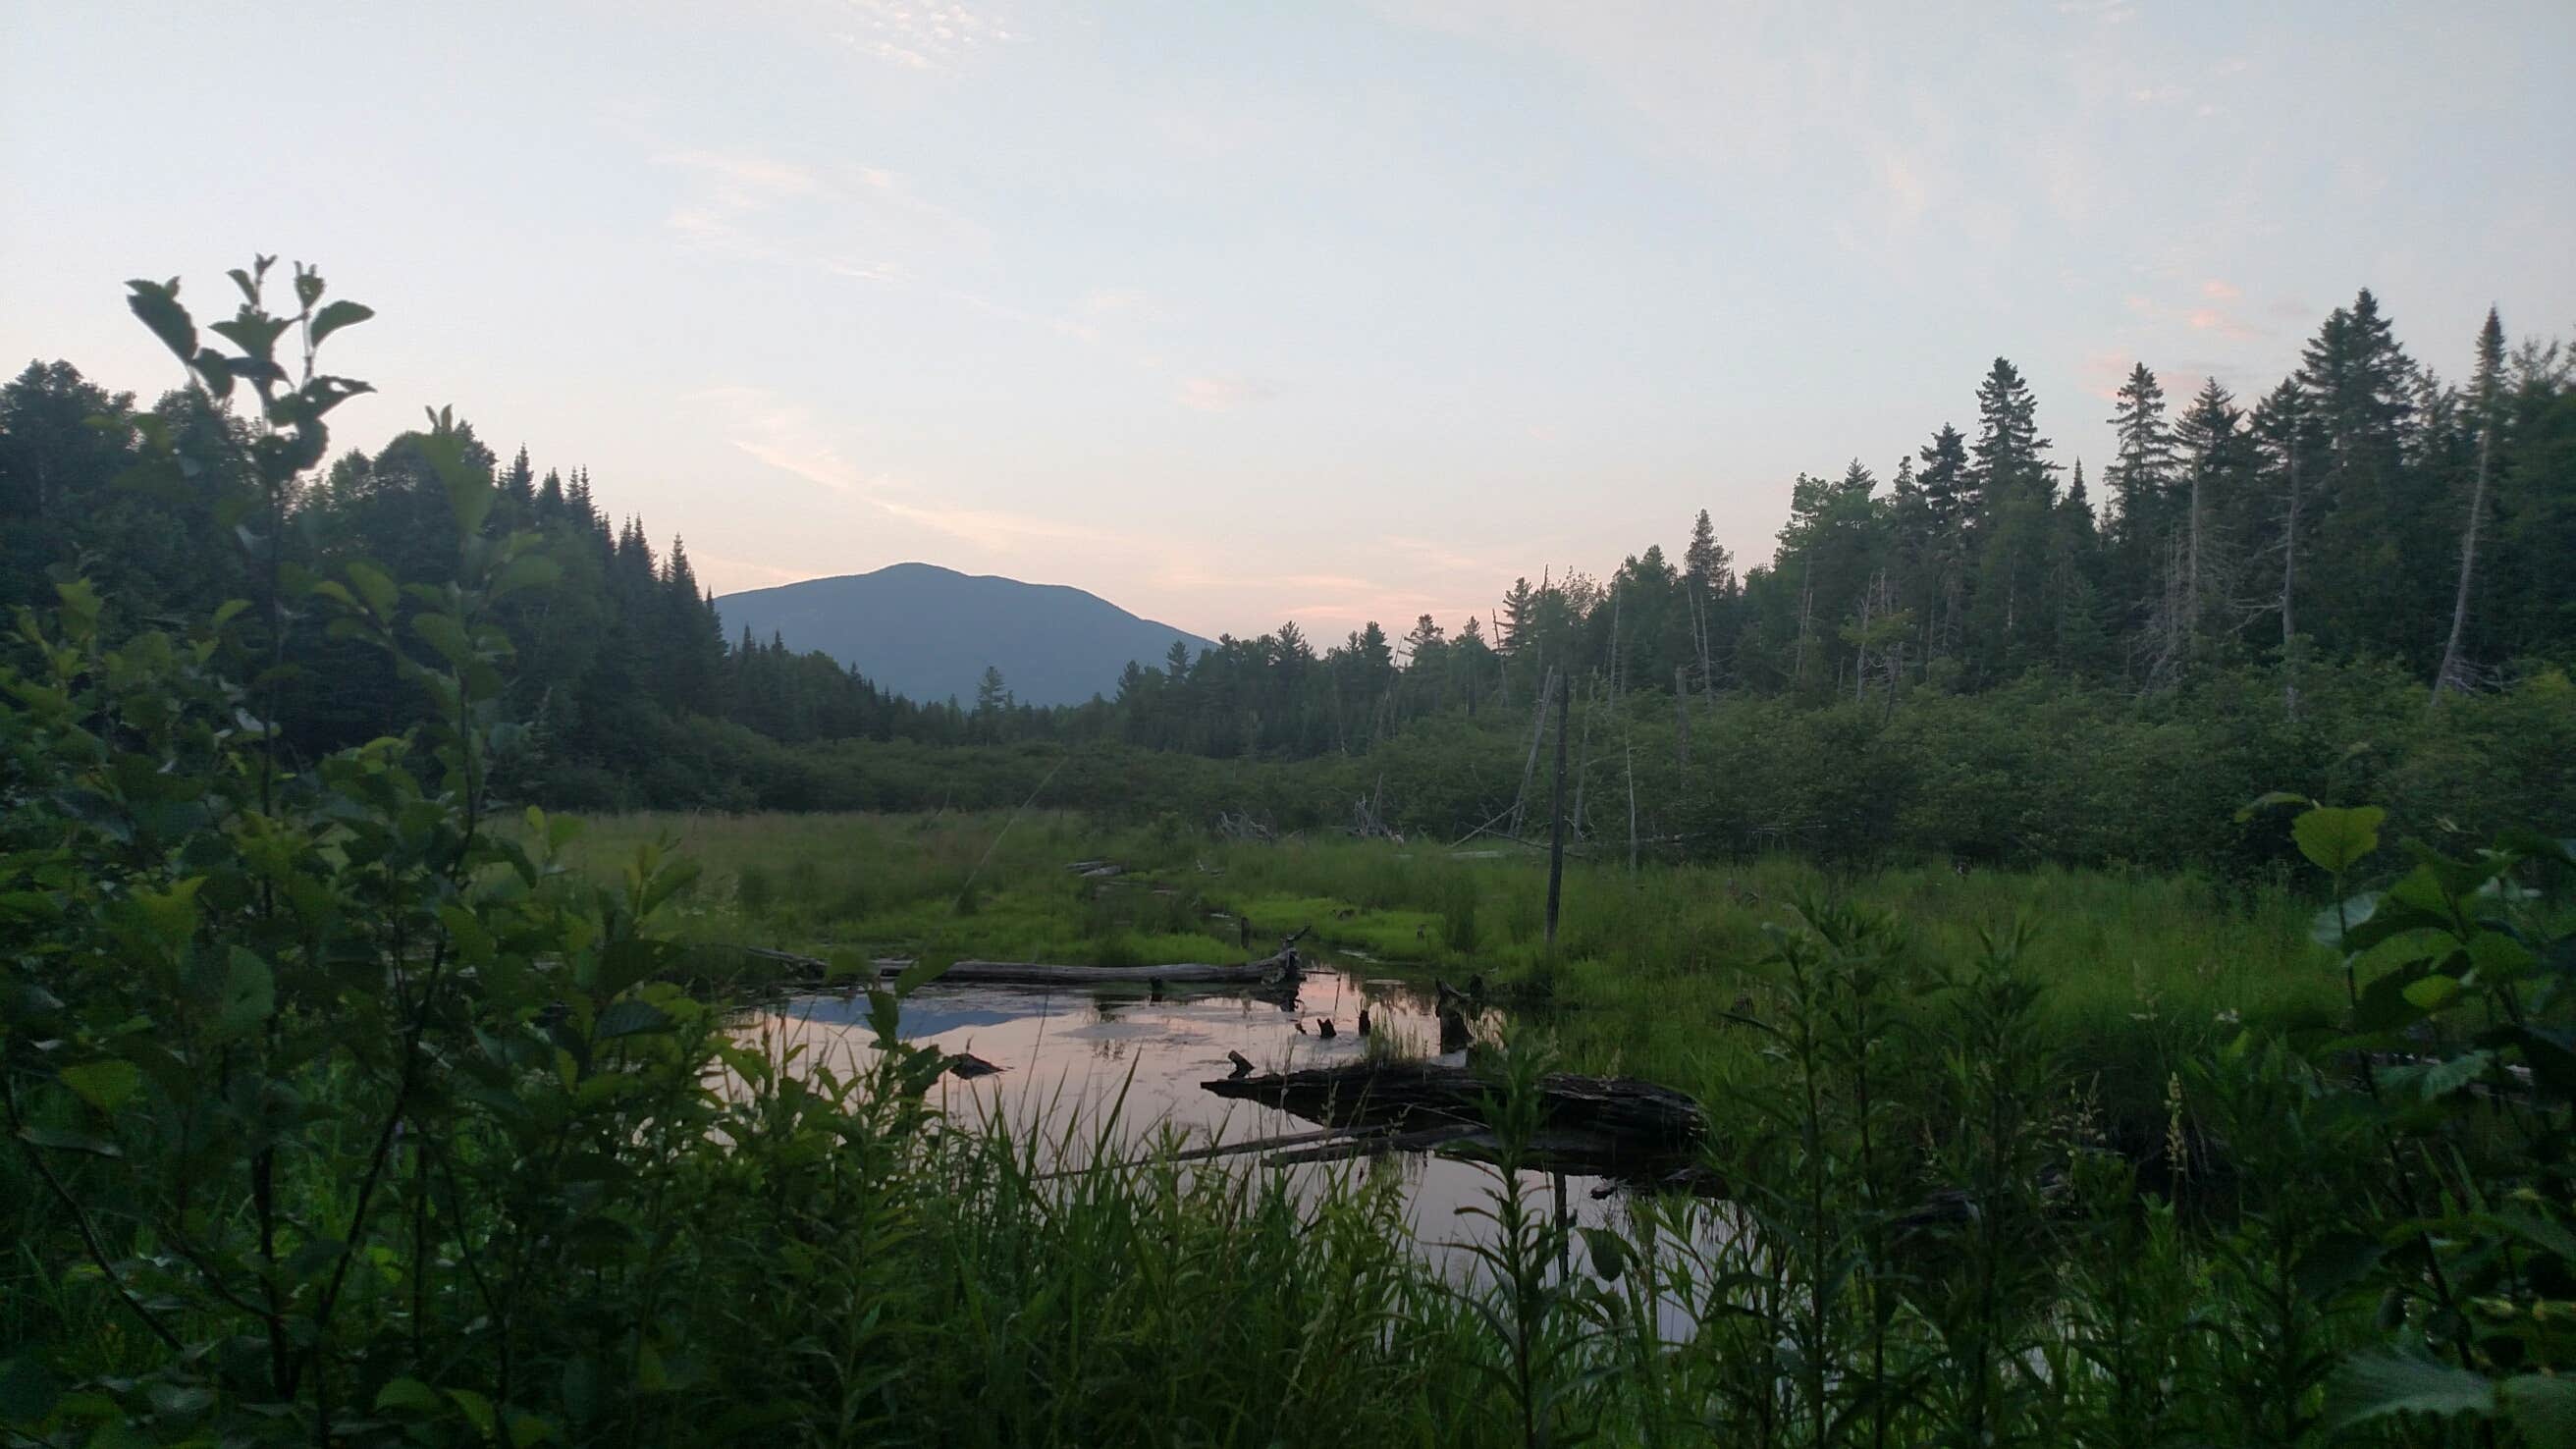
928,633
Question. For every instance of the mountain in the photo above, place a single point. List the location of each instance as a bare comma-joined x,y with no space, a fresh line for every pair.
928,632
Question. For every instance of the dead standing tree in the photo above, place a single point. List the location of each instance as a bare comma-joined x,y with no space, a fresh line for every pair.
2454,673
1529,769
1556,831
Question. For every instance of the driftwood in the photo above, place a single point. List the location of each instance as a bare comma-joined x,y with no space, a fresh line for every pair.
1586,1124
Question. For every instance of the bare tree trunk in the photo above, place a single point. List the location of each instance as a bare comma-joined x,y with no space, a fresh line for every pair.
1806,618
1699,632
1681,716
2454,669
2191,579
1615,592
1860,656
1556,827
1631,752
1529,770
1583,762
2289,589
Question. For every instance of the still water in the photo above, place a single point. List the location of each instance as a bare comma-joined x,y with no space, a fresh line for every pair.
1092,1069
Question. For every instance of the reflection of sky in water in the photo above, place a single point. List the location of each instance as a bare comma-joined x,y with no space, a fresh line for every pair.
1082,1062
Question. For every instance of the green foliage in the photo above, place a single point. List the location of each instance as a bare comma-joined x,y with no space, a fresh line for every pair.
348,1101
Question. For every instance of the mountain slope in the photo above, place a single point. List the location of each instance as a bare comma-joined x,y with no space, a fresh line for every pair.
928,632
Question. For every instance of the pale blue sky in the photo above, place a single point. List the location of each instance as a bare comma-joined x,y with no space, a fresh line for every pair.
1237,312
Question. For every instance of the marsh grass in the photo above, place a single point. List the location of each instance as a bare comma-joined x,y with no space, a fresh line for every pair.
2136,972
1927,1240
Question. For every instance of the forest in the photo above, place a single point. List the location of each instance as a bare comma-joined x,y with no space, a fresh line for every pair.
2096,977
2267,586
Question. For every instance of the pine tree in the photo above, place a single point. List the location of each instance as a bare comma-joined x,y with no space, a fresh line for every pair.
1950,501
1704,565
2209,439
2141,479
2011,530
2372,584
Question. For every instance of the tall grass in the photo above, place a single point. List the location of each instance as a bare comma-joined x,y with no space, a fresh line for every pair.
2137,972
1932,1234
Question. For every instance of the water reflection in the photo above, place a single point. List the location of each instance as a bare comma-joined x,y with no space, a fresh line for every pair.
1093,1070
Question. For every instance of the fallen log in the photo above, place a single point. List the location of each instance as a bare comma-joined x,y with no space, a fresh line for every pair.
1283,966
1603,1124
885,965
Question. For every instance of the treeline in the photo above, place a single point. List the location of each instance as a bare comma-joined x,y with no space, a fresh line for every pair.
2044,769
620,649
2363,511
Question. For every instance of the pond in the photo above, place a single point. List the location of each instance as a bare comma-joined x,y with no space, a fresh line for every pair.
1087,1070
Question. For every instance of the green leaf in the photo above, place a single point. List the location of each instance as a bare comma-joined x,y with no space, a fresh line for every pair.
2335,839
2499,957
669,881
336,316
68,1141
2271,799
1609,1252
446,636
2335,924
106,1085
373,586
2377,1383
477,1410
915,976
254,334
250,992
157,304
2542,1406
2336,1262
2432,1081
631,1018
217,372
2432,993
407,1393
528,570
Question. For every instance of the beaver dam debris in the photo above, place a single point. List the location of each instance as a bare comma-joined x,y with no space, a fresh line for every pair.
1611,1126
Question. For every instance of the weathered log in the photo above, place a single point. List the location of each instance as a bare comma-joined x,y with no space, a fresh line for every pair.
1039,973
1603,1123
885,965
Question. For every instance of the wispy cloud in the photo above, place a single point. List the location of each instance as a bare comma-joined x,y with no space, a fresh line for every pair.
857,221
1223,394
786,436
920,35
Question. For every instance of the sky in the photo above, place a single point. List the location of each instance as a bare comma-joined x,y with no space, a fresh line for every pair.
1236,313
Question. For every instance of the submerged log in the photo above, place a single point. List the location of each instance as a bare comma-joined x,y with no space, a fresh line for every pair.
1597,1124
